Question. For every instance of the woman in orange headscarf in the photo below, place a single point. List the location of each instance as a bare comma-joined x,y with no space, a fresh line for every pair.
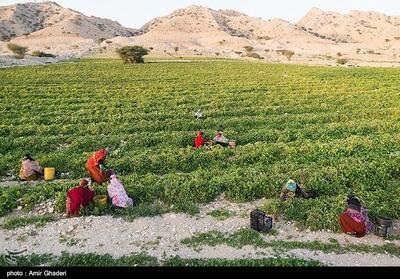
96,166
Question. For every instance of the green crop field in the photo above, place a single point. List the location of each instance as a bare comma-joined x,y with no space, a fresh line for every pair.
334,130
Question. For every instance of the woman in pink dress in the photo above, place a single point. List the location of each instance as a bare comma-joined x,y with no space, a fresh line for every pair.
116,192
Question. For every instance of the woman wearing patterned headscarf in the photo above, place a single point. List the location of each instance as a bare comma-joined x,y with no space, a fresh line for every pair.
30,169
292,189
96,166
354,220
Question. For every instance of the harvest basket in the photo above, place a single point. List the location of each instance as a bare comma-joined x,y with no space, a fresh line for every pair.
100,200
49,174
383,226
259,221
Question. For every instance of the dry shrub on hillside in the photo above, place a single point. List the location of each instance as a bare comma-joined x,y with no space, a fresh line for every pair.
19,51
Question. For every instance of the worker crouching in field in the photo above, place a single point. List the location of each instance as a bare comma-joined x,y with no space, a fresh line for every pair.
199,114
354,220
30,169
220,139
78,197
117,193
199,140
96,166
292,189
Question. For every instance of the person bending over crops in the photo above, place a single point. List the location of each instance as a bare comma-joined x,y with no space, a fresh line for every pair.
199,140
78,197
292,189
96,166
116,192
221,140
199,114
354,220
30,169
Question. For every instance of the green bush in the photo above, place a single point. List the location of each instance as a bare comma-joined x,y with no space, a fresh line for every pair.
61,202
315,214
132,54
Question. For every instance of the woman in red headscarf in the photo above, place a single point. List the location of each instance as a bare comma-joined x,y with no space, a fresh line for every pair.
199,141
96,166
78,197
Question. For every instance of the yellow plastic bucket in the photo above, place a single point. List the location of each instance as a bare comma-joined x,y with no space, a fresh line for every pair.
49,174
100,200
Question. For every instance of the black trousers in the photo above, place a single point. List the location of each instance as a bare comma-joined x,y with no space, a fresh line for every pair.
223,144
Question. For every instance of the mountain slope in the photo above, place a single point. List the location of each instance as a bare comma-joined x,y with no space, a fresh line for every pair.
198,30
355,27
50,19
319,37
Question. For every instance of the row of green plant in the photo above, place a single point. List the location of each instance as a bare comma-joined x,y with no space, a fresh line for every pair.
17,222
143,260
249,237
333,130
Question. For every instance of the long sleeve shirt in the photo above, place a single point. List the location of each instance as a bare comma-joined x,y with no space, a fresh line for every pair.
30,167
97,158
117,193
221,139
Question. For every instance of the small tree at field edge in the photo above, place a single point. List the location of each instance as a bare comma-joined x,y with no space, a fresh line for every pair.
132,54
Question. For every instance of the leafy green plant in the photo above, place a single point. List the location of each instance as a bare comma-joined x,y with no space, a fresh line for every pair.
143,260
244,237
221,214
16,222
141,210
177,261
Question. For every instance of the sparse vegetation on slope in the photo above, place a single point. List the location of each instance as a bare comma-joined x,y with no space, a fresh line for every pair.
42,54
19,51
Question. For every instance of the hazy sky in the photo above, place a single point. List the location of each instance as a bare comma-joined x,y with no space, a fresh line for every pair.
135,13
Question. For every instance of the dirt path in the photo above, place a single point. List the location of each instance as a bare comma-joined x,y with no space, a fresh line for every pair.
161,237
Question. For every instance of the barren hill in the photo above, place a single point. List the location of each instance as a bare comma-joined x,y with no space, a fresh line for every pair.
319,38
48,18
201,31
355,27
49,27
